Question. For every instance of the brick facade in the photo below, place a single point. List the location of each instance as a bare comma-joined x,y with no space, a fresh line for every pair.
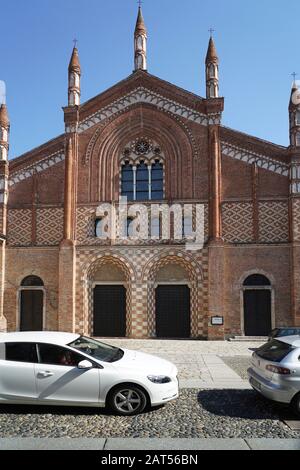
252,224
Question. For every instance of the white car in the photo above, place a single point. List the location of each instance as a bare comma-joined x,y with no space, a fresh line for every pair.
54,368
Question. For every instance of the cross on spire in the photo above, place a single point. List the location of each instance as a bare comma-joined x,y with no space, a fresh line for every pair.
140,3
294,75
75,41
211,31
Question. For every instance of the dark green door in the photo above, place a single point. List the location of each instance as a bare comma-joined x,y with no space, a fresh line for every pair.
110,311
31,310
173,311
257,311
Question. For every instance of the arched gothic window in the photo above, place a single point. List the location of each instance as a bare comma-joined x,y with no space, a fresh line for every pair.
212,71
143,182
127,181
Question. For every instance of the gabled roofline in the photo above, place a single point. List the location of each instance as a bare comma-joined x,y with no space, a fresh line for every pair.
140,74
14,163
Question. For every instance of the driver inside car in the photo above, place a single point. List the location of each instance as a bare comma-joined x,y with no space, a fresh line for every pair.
67,359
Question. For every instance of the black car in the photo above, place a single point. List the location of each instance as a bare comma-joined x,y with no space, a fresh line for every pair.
284,331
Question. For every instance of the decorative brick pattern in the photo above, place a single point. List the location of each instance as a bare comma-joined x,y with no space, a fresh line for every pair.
195,267
37,167
85,232
140,267
296,219
143,95
49,226
262,161
1,220
19,227
237,222
273,222
87,264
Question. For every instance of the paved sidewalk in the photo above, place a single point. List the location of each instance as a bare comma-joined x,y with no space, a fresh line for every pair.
149,444
199,363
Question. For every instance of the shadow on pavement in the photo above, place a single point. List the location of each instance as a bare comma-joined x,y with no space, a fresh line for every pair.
244,404
52,410
64,410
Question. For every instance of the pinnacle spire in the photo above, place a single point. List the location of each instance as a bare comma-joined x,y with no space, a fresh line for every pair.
74,64
140,43
4,119
4,132
211,55
212,70
74,89
140,23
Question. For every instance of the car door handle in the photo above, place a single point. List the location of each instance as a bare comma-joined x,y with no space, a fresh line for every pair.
45,373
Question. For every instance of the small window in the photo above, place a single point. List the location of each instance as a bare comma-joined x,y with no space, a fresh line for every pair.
21,352
187,227
129,227
155,227
298,118
212,71
101,228
140,43
56,355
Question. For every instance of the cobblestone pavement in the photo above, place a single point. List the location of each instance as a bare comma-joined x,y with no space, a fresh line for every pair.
196,414
239,364
200,363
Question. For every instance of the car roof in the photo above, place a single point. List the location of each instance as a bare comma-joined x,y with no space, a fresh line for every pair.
287,328
52,337
292,340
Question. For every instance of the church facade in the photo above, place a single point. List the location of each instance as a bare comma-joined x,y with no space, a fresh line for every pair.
62,267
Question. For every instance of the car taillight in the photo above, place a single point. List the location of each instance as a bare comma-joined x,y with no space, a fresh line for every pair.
278,369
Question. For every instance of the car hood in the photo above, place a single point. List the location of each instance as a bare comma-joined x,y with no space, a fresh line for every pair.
146,363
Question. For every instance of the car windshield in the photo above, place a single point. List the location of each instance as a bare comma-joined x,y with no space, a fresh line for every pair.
97,350
274,351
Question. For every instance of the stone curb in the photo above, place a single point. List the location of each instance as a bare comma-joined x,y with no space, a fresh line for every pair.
148,444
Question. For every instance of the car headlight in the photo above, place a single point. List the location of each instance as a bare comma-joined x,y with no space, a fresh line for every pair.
159,379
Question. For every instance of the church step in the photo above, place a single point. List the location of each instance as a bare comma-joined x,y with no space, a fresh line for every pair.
260,339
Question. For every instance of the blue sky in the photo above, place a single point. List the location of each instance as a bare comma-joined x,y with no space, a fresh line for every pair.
257,42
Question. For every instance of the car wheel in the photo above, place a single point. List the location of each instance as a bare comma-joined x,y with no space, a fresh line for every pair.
127,400
296,405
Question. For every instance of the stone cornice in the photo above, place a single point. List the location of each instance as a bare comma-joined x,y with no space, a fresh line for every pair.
262,161
36,167
143,95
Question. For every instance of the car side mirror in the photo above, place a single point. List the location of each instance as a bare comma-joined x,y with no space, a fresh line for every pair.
85,365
